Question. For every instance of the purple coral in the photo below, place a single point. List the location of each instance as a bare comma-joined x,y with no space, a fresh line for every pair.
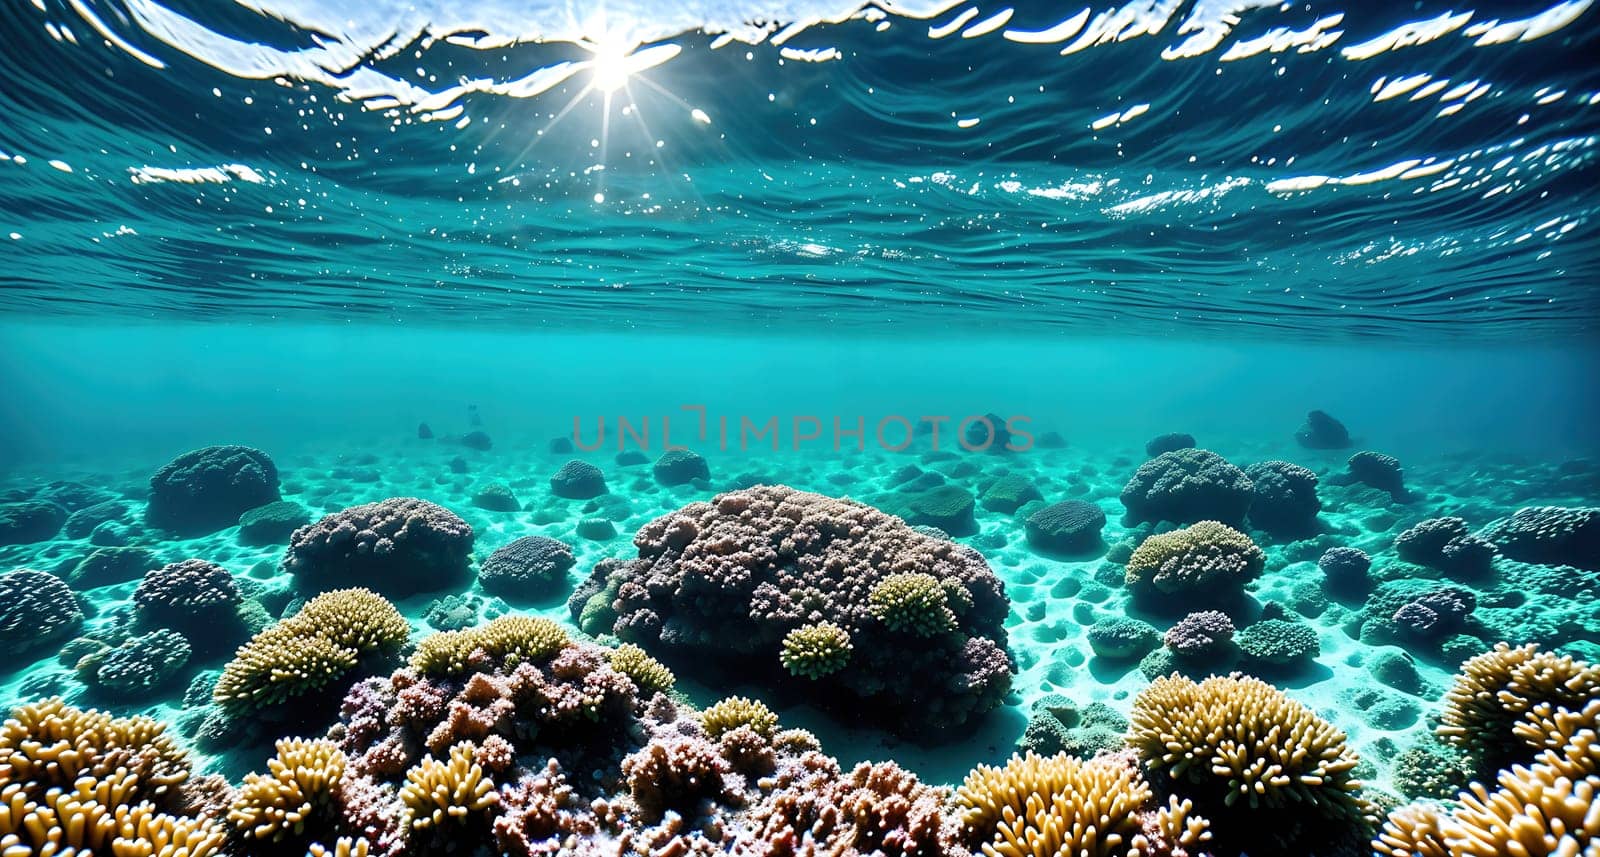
729,579
875,809
398,547
679,772
1188,485
1200,634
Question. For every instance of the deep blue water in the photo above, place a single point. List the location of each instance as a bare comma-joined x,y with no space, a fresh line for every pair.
1250,170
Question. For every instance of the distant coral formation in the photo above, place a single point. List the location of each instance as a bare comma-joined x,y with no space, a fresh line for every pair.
1188,485
733,578
399,546
207,489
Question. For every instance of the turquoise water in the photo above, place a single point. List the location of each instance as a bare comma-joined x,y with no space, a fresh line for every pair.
579,426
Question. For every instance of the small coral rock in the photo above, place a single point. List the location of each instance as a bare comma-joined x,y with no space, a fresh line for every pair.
272,524
530,567
681,466
1322,431
578,480
1069,527
399,546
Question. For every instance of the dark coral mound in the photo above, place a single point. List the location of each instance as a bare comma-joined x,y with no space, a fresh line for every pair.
1375,470
948,507
578,480
272,524
1169,442
30,521
1446,545
1070,527
1550,535
36,608
1344,569
1285,501
1322,431
193,596
530,567
400,546
681,466
109,565
204,490
1188,485
730,579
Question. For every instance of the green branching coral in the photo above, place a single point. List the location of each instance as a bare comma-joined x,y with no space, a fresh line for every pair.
913,602
649,674
737,711
1496,690
1206,559
815,650
519,637
311,649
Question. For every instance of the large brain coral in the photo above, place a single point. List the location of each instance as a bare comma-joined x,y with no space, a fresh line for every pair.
1188,485
207,489
400,546
1238,747
730,579
529,567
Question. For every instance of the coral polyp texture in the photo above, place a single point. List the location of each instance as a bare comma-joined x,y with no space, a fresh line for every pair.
1238,746
207,489
36,610
1037,806
816,650
529,567
318,646
1285,502
729,580
1188,485
77,781
297,791
400,546
1207,561
1498,690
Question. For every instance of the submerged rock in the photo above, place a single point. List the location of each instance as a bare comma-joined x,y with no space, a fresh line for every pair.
272,524
1322,431
207,489
30,521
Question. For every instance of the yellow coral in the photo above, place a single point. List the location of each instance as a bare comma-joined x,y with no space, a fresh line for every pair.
300,781
453,789
649,674
1415,830
1200,557
509,637
1534,812
913,602
736,711
49,743
816,650
1061,805
1496,690
344,847
307,651
1569,740
161,835
1238,740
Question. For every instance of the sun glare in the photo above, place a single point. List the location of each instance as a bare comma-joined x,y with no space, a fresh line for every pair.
609,67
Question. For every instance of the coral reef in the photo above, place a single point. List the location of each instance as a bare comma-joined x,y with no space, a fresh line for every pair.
1068,527
1206,562
1008,492
296,792
578,480
197,598
496,497
1344,569
815,650
1549,535
272,524
680,467
36,609
321,645
648,674
399,546
30,521
1285,502
1236,746
207,489
1278,642
1375,470
1034,806
1059,725
738,712
512,636
138,666
729,580
1169,442
947,507
75,781
1445,544
1201,634
1496,690
1322,431
1188,485
529,567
